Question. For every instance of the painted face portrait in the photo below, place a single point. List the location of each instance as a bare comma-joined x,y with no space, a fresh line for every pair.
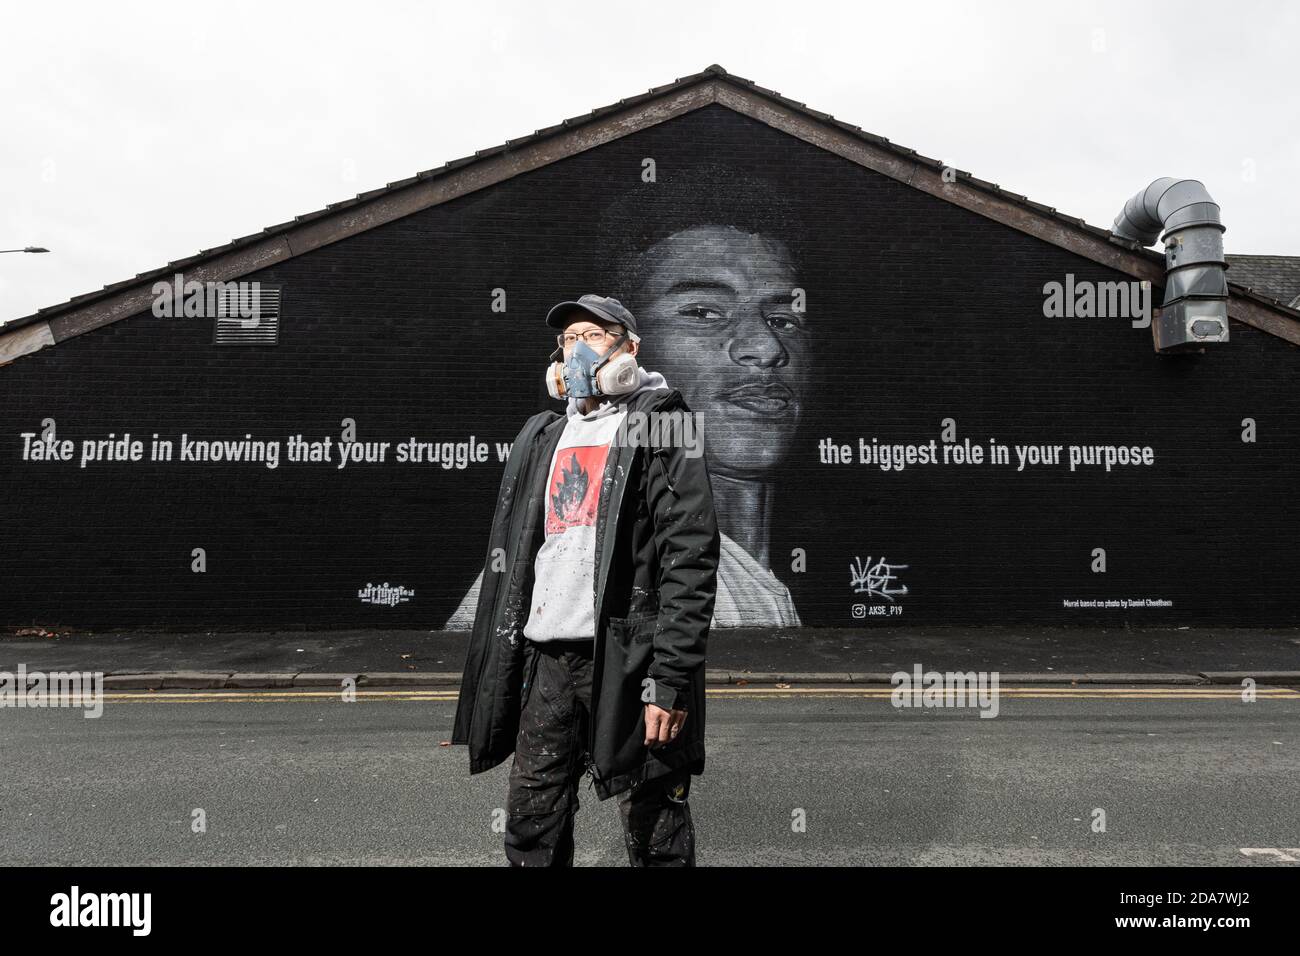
718,303
707,261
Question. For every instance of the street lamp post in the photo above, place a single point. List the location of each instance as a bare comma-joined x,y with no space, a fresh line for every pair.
26,249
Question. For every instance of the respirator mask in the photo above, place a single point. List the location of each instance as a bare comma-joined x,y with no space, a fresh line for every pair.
586,374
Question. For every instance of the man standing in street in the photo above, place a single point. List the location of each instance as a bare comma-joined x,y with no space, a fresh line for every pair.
588,646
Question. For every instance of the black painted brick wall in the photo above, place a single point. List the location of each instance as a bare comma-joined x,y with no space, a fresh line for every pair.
921,311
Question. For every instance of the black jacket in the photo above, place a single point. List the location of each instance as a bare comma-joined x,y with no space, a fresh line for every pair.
657,547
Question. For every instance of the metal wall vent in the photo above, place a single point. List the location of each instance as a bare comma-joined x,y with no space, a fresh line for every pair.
236,303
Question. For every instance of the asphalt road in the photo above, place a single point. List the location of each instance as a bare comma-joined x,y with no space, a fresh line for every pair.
1010,650
1188,776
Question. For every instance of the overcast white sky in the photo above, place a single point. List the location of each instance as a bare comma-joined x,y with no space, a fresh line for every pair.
136,133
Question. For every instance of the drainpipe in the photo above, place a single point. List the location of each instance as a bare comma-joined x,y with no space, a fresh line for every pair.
1195,308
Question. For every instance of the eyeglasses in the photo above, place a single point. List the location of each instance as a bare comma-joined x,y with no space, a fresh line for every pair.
590,336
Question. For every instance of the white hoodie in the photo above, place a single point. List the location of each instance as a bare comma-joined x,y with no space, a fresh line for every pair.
563,604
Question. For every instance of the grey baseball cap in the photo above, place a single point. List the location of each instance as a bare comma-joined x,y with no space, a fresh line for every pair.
603,307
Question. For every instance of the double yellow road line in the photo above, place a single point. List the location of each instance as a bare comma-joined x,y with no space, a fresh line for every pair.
866,692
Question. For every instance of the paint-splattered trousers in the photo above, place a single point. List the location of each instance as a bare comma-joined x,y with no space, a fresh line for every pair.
550,760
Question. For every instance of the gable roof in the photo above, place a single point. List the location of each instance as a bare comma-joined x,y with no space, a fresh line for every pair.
486,167
1277,277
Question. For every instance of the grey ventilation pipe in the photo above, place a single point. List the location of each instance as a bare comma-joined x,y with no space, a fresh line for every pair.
1195,308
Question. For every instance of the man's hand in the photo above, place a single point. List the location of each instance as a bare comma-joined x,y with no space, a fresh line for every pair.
662,726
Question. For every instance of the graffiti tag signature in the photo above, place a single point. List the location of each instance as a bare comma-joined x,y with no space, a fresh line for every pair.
876,578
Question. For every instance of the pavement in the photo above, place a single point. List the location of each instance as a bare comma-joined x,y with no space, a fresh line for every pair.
161,658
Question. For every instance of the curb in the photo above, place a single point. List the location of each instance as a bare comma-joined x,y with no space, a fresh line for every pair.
224,680
1261,677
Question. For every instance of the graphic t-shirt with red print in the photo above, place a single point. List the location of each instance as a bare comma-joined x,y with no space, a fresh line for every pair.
564,595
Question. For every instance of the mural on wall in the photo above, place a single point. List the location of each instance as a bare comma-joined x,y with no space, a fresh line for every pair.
706,261
901,428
